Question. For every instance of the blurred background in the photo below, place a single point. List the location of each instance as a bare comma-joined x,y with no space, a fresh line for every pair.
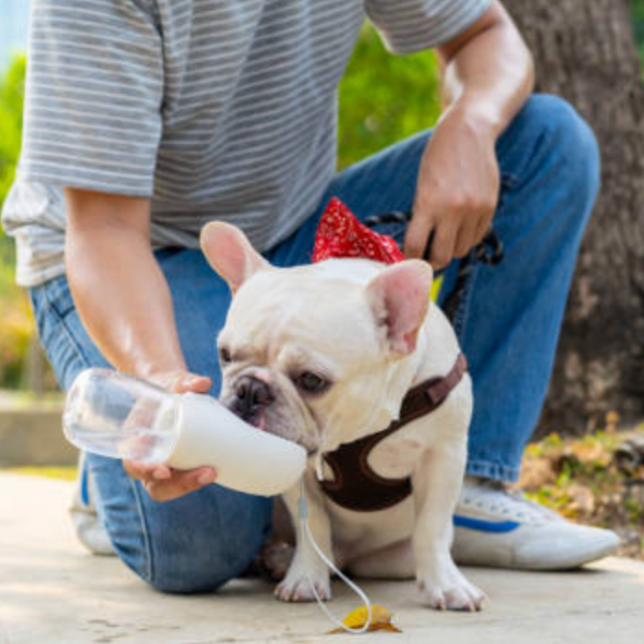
589,51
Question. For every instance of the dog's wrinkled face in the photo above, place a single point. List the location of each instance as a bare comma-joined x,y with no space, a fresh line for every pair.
306,351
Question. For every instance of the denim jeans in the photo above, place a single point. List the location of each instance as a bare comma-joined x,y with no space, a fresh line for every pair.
508,323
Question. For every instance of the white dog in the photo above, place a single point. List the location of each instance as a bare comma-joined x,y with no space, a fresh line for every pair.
324,355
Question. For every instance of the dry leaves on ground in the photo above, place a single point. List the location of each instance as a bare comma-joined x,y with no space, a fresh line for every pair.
380,620
585,479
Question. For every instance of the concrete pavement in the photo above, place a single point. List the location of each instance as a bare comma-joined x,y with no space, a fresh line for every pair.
51,591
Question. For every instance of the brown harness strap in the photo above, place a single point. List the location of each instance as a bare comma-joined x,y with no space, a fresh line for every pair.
355,485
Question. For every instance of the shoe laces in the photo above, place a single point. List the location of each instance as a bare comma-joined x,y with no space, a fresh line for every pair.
494,497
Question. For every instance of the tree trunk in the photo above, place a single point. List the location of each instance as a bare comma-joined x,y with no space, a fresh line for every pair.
585,51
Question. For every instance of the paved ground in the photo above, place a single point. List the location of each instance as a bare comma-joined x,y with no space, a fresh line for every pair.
52,592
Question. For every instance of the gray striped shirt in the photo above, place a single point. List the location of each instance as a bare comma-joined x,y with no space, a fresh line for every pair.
216,109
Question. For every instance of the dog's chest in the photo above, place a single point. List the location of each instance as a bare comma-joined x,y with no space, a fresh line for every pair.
396,456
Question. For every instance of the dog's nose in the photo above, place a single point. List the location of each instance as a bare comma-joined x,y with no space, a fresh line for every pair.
252,394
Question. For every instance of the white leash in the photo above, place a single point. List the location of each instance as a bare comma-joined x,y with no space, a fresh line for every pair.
306,532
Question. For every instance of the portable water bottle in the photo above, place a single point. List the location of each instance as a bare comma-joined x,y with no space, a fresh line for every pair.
115,415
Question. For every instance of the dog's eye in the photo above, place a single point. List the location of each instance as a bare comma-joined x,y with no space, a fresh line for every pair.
311,382
224,355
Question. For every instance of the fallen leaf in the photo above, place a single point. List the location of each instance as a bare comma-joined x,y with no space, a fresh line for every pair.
582,499
536,473
589,454
380,620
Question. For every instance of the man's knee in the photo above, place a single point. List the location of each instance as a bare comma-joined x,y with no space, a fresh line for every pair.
198,547
203,563
568,139
191,572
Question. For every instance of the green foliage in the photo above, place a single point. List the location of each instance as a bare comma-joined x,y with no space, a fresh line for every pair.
384,98
16,321
18,328
11,102
633,510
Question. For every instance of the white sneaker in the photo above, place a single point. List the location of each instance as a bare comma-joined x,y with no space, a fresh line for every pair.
89,529
498,528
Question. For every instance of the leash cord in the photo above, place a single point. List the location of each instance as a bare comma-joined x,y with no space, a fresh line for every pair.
306,532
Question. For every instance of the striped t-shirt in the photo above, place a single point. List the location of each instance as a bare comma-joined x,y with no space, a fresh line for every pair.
215,109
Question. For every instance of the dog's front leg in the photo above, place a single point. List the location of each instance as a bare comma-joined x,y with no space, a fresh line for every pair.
307,568
437,483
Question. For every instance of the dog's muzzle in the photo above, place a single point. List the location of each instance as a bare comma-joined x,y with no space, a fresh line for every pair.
251,396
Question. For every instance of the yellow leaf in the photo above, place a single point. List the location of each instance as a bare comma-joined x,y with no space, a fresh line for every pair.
380,620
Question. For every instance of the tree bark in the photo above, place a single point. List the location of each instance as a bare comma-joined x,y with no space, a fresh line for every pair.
585,51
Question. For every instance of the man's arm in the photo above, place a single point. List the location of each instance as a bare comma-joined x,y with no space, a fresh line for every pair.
488,76
125,304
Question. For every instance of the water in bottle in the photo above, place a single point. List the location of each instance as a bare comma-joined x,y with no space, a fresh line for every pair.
115,415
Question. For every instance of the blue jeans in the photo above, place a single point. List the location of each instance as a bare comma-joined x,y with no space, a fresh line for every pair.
508,323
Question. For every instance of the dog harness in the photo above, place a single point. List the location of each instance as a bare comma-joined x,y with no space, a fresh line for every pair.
355,485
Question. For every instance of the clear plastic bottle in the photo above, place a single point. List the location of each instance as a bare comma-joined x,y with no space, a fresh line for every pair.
115,415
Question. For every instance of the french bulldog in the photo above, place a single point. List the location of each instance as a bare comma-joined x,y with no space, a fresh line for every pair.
323,355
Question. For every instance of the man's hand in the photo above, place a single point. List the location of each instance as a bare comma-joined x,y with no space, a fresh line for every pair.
160,481
458,190
487,77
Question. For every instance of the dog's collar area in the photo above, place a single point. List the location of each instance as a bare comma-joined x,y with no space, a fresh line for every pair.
355,485
429,395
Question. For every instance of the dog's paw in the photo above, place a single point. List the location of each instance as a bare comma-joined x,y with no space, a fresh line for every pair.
297,587
451,592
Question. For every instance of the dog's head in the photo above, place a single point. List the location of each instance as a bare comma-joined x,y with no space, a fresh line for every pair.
308,352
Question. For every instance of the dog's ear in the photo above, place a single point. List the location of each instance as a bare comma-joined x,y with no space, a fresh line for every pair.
399,299
230,253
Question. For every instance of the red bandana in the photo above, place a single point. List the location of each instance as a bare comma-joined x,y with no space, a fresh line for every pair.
340,234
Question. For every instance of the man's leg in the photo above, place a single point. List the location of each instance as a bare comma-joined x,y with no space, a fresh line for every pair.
509,323
509,317
199,541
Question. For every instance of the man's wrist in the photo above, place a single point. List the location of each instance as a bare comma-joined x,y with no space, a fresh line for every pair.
477,114
148,369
